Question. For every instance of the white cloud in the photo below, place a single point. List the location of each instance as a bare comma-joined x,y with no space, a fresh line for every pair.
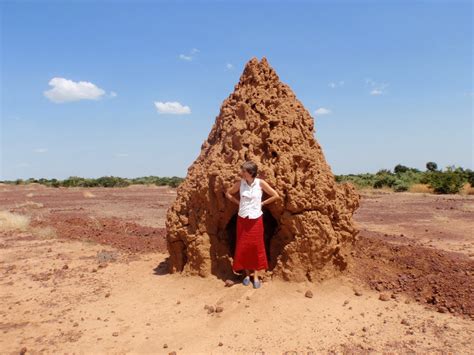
185,57
189,57
322,111
376,89
40,150
334,85
229,66
65,90
174,108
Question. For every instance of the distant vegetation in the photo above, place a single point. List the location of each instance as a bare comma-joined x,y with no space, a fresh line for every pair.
104,181
451,180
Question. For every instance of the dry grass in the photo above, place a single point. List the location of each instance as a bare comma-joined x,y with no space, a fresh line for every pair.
44,232
467,189
88,194
371,190
13,222
29,204
420,188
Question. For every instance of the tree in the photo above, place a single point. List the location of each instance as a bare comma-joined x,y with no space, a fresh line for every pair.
431,166
400,169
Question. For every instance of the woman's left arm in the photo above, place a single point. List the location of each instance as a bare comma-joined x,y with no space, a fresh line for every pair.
270,191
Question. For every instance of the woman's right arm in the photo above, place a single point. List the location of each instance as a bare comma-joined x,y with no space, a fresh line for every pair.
233,190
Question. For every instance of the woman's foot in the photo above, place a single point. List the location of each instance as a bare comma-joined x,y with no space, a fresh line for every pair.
246,280
256,283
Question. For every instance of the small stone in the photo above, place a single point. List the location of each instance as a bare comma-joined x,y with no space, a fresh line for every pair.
442,309
23,350
404,322
178,302
309,294
65,266
364,329
357,292
229,283
94,270
107,295
165,345
210,309
75,324
219,309
384,297
220,343
115,334
345,302
172,353
247,298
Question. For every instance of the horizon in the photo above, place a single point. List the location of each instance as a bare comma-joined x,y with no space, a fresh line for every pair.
93,90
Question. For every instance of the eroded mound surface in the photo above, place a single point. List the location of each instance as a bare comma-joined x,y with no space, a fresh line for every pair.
307,231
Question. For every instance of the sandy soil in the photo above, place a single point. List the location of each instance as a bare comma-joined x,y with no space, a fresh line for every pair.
87,275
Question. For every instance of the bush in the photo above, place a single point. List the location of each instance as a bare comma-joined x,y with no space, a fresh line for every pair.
447,182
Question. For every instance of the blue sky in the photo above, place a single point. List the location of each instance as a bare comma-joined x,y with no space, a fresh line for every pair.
83,82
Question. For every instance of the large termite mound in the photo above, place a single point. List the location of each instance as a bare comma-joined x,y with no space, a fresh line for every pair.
308,232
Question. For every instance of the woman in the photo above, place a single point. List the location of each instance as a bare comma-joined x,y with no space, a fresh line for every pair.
250,252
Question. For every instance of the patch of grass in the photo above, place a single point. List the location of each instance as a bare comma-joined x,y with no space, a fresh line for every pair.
13,222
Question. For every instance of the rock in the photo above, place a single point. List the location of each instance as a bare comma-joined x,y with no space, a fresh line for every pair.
165,345
384,297
345,302
263,121
107,295
364,329
404,322
65,266
210,309
23,350
115,334
220,343
442,309
172,353
309,294
219,309
229,283
357,292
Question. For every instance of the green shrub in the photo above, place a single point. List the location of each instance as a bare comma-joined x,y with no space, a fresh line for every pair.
446,182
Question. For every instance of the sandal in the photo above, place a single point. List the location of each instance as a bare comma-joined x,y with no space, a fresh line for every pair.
246,280
256,283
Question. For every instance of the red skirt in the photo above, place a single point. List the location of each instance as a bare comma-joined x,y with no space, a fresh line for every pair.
249,246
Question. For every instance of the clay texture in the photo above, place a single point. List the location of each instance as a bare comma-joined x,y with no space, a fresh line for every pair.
308,232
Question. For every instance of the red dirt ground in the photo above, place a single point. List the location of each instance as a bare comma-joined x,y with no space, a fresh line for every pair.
416,247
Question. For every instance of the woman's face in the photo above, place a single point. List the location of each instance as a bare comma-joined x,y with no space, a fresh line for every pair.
245,174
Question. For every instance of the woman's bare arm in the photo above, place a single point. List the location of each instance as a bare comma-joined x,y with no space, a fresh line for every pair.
233,190
270,191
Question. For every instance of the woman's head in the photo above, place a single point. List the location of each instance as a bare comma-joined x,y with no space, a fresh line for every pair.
248,168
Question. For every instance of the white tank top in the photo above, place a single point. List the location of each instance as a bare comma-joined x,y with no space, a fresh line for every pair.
250,199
